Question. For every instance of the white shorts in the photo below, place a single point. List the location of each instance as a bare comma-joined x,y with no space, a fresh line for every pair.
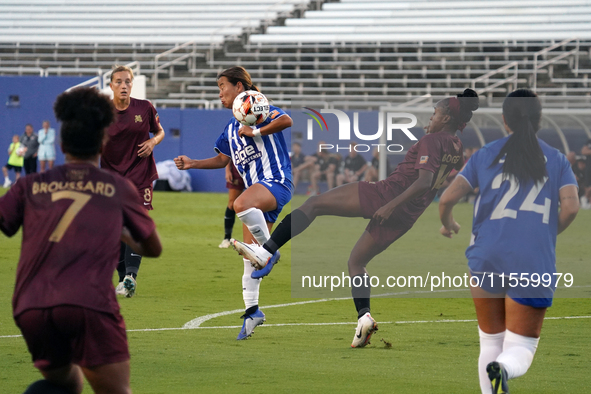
46,153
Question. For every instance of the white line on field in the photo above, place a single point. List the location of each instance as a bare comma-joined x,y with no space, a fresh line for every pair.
323,324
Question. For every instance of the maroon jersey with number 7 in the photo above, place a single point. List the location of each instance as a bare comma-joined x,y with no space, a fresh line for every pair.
72,218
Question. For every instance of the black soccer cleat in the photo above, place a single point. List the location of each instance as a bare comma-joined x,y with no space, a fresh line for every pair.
498,378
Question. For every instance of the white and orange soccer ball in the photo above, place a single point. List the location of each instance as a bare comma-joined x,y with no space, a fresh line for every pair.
250,108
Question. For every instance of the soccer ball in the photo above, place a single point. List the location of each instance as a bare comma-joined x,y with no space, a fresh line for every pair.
250,108
21,151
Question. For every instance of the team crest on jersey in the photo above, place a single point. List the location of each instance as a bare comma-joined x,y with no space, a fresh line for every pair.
423,159
138,119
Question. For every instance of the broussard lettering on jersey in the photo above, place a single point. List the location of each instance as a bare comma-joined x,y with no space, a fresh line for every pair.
102,188
246,154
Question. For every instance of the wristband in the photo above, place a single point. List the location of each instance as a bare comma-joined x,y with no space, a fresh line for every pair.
256,133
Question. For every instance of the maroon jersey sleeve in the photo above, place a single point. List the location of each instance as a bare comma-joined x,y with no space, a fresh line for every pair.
135,216
429,153
154,119
12,209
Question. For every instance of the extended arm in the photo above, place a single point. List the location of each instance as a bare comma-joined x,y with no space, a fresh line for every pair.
420,186
569,206
279,124
454,193
185,163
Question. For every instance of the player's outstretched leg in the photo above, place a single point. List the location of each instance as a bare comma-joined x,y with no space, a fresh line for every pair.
498,378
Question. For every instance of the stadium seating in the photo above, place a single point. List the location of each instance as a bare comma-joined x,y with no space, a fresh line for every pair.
443,21
133,21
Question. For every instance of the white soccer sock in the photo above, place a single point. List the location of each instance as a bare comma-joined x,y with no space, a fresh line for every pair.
256,223
491,345
518,354
250,287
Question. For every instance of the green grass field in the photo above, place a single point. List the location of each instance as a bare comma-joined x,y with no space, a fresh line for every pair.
306,347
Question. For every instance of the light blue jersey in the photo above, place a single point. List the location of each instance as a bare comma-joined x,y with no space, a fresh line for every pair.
257,159
515,226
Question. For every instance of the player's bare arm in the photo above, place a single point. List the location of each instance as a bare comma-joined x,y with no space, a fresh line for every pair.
454,193
146,148
420,186
149,247
569,206
279,124
185,163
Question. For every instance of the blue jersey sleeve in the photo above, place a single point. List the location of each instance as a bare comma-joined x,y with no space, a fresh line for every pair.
567,176
274,113
470,172
222,145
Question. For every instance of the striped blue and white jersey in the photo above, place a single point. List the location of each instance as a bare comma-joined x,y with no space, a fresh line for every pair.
257,159
515,225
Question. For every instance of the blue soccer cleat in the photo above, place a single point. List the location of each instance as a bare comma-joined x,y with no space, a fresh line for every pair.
498,378
250,323
258,256
266,270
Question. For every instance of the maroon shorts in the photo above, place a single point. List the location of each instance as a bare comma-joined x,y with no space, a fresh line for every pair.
68,334
146,194
373,196
237,182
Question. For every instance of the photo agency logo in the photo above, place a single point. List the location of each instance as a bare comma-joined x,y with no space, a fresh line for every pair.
390,121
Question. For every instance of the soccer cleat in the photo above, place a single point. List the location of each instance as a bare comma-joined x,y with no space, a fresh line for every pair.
130,285
7,183
120,289
266,270
366,326
250,323
258,256
498,378
225,244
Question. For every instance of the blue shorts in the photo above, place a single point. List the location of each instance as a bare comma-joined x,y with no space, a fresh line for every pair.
282,193
537,297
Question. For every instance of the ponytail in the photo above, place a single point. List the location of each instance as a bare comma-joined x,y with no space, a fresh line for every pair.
524,158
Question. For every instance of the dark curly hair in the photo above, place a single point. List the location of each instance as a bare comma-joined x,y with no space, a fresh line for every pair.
85,113
460,108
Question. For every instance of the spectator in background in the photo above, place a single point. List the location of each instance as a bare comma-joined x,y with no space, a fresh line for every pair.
15,161
325,166
354,168
46,146
586,199
301,164
579,168
572,158
372,174
30,141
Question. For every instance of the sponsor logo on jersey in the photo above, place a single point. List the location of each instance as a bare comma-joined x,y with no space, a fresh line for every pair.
138,119
423,159
246,154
